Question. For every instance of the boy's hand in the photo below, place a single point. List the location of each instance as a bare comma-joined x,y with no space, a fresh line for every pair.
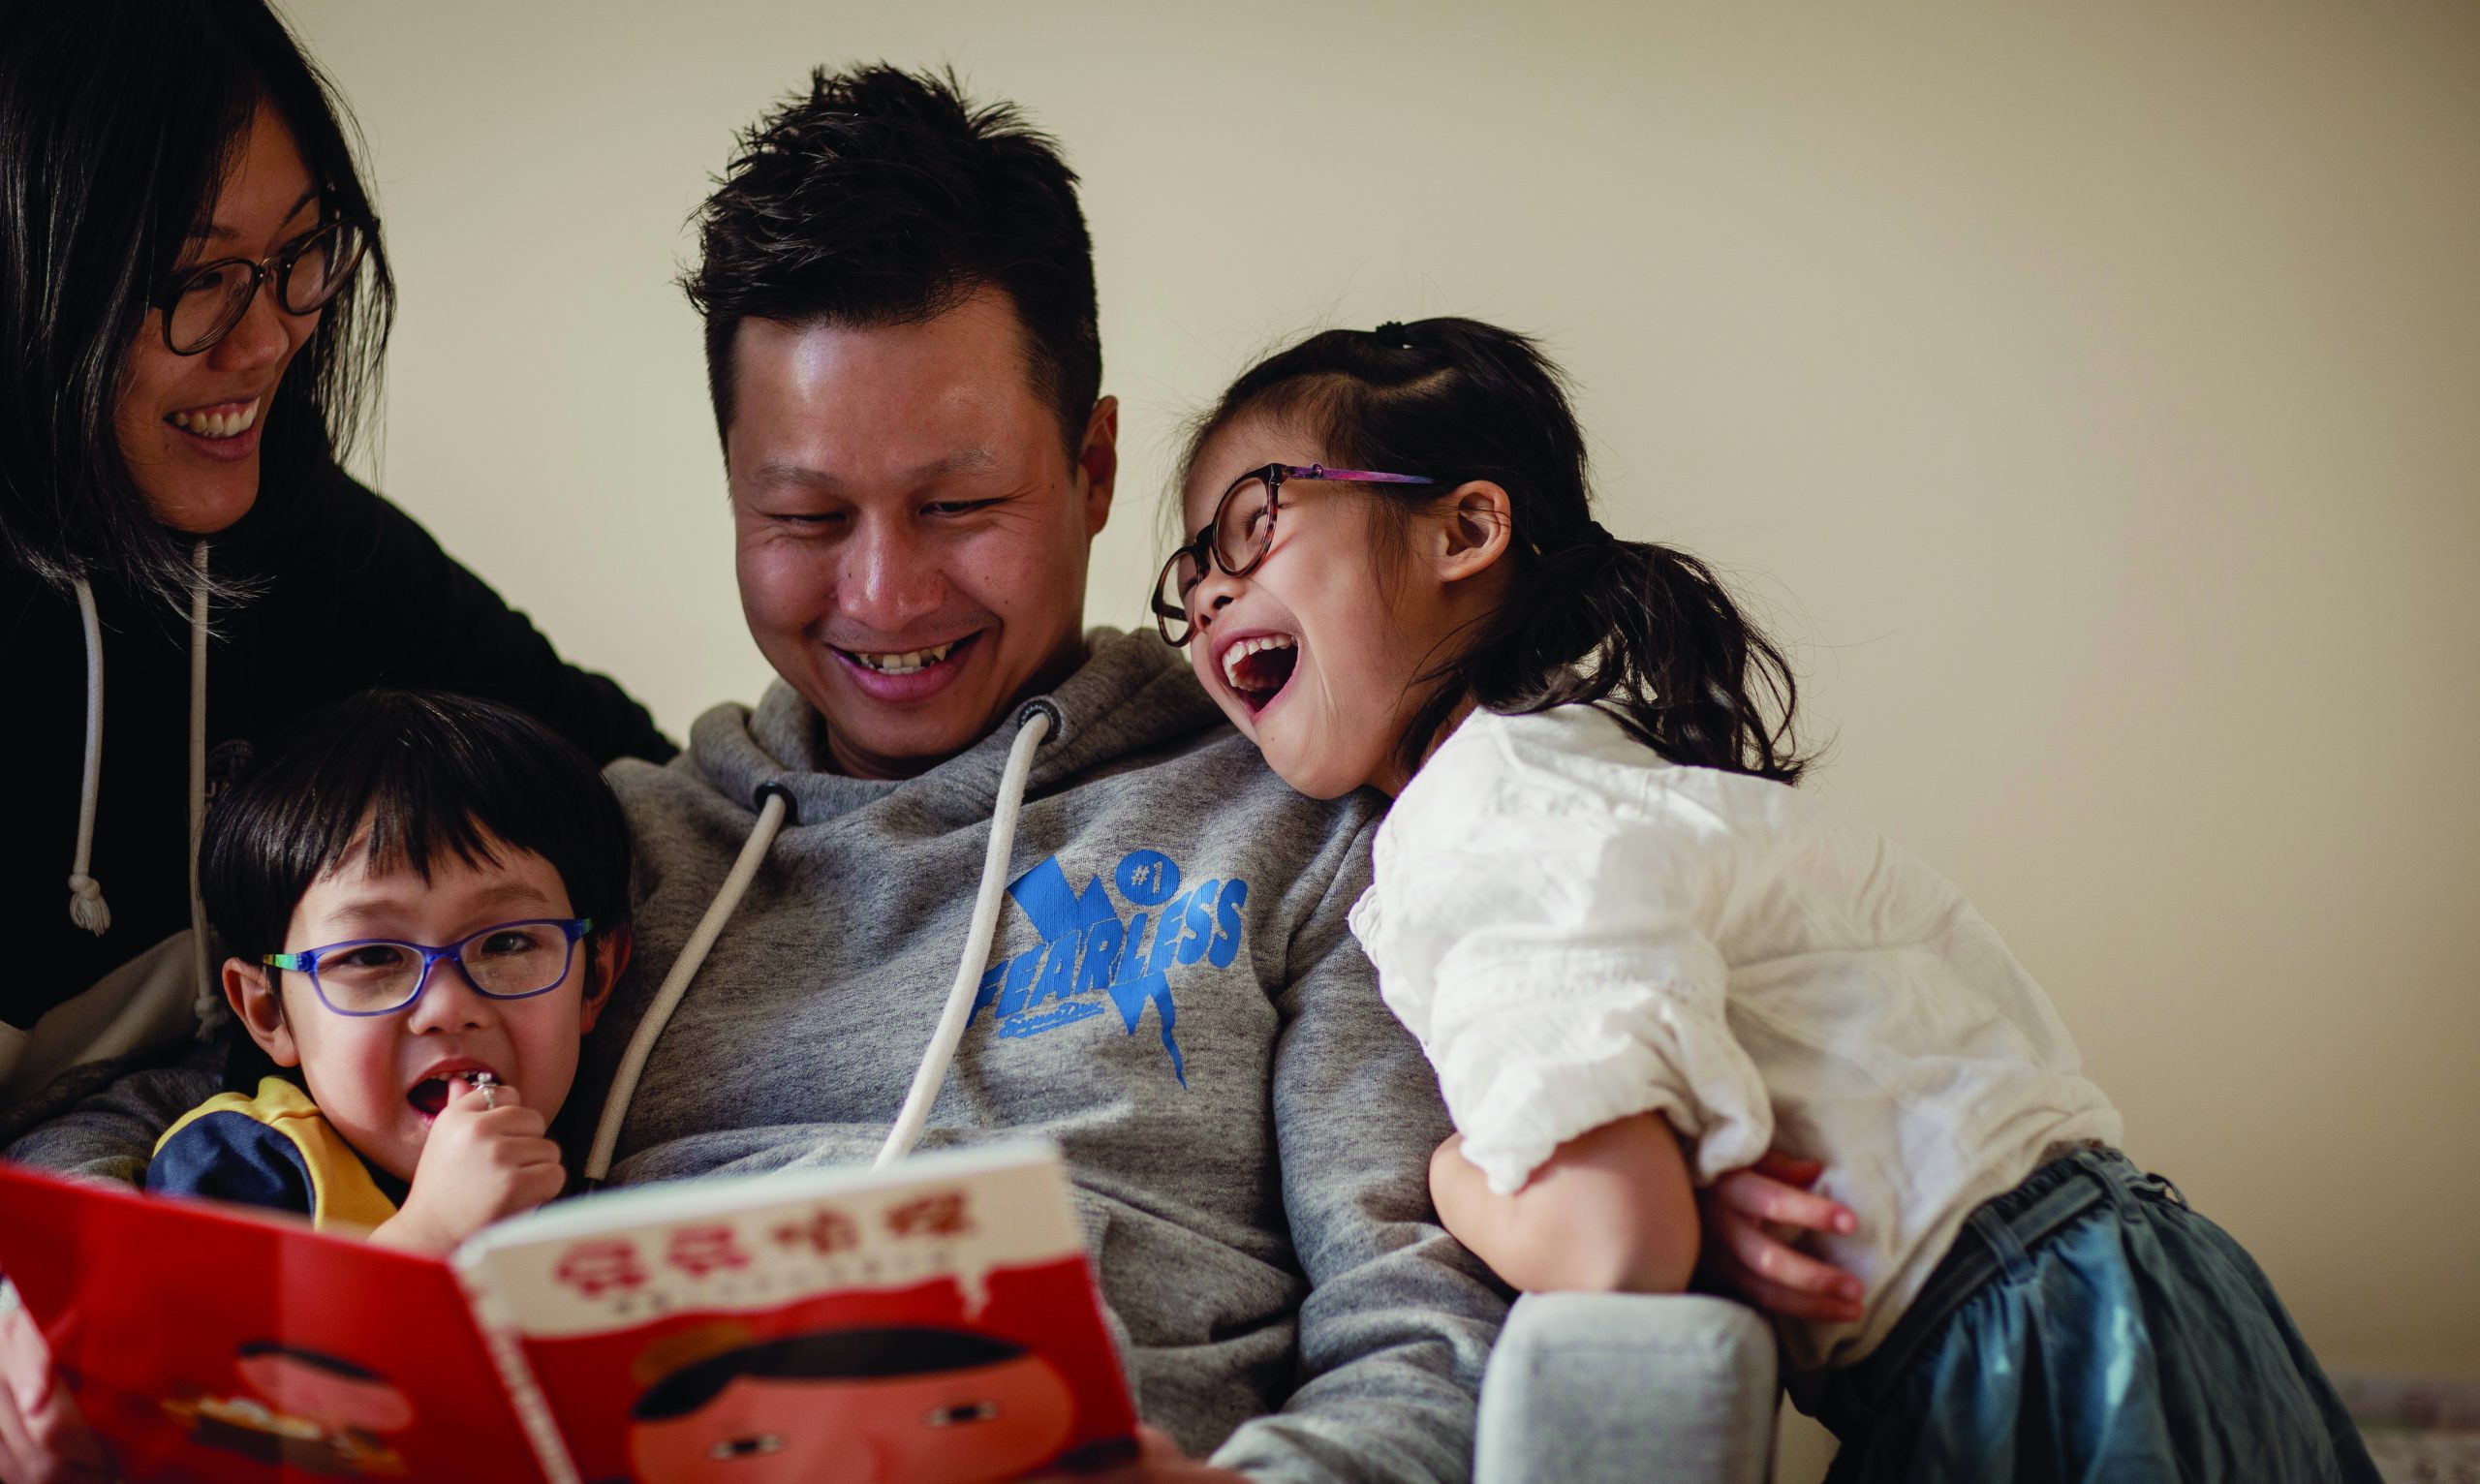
478,1164
43,1439
1751,1217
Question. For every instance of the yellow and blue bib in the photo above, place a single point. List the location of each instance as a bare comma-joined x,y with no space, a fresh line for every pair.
269,1147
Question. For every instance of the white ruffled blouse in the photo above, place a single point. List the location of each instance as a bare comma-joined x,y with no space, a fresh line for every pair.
1579,931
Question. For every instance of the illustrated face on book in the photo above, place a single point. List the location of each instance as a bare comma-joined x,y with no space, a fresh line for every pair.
916,1405
303,1383
380,1079
1316,655
910,532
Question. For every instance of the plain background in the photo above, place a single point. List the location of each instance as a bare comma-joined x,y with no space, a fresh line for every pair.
2086,391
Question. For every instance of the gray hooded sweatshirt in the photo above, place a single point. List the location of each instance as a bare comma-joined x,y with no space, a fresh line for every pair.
1173,997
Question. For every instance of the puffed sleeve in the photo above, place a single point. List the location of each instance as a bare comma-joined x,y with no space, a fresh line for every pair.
1544,919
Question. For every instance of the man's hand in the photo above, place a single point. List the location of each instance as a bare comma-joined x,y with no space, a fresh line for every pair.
1159,1460
1751,1217
478,1164
43,1439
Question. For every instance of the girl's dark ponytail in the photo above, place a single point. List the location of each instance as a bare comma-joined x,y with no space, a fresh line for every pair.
1645,631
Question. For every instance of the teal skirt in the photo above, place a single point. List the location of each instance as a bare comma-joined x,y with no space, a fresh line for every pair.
2089,1325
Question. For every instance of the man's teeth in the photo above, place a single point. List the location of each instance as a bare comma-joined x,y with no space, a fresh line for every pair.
1241,651
911,662
215,425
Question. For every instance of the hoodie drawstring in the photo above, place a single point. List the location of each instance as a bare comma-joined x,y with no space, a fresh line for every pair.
86,906
209,1002
1037,721
775,801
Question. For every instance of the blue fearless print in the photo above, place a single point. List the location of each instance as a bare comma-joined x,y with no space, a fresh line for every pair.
1091,958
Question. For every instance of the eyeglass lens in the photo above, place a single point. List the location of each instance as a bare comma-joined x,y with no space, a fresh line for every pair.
520,958
1241,532
212,302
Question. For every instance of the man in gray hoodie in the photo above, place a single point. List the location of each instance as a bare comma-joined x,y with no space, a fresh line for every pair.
902,347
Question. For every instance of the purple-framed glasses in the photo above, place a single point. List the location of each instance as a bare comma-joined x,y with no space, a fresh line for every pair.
1238,537
381,976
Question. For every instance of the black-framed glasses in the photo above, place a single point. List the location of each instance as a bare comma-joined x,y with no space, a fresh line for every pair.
381,975
1240,534
202,304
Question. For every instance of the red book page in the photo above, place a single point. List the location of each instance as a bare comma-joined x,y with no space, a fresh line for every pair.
206,1342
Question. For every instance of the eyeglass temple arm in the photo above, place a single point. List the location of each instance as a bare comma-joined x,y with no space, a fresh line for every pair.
1352,475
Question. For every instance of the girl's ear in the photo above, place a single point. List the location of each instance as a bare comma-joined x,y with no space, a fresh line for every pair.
611,955
1478,523
252,993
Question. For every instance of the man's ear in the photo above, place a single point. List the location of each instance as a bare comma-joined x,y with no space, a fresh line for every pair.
610,956
255,1001
1098,460
1477,523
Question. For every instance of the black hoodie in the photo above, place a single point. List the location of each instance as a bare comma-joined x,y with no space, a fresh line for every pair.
354,593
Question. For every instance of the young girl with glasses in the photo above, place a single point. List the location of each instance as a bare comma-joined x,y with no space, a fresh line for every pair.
426,901
1640,957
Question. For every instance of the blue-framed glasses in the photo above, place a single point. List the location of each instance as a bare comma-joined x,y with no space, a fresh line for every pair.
381,975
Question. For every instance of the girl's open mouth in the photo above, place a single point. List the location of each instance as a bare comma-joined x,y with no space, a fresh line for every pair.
1258,667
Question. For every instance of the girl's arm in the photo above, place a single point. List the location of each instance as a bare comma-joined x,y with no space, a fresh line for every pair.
1610,1210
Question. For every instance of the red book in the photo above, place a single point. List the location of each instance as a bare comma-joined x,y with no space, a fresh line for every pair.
933,1321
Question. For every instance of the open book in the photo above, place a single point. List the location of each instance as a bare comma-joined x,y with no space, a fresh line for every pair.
933,1321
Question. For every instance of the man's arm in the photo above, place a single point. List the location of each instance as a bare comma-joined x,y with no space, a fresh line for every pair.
112,1134
1400,1318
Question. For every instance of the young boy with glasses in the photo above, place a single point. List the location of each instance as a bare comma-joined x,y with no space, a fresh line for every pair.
425,898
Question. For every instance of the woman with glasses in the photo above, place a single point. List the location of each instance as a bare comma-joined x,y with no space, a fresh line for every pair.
194,300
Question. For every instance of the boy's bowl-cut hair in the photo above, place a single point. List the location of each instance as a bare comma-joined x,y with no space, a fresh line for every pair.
404,775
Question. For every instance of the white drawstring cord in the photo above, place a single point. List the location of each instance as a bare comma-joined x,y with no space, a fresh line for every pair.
1036,722
641,1045
86,906
942,1050
208,1000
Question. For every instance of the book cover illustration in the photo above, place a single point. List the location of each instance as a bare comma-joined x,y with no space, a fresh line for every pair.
934,1321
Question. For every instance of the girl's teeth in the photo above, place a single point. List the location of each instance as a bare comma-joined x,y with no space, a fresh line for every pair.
214,424
1242,650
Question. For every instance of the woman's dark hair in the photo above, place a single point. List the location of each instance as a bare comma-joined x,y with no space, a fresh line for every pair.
406,775
1645,631
887,198
118,120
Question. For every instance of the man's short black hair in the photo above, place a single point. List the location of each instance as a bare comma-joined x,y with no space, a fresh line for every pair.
887,198
421,772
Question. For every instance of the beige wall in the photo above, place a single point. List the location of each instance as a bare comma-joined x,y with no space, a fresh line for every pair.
2087,390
